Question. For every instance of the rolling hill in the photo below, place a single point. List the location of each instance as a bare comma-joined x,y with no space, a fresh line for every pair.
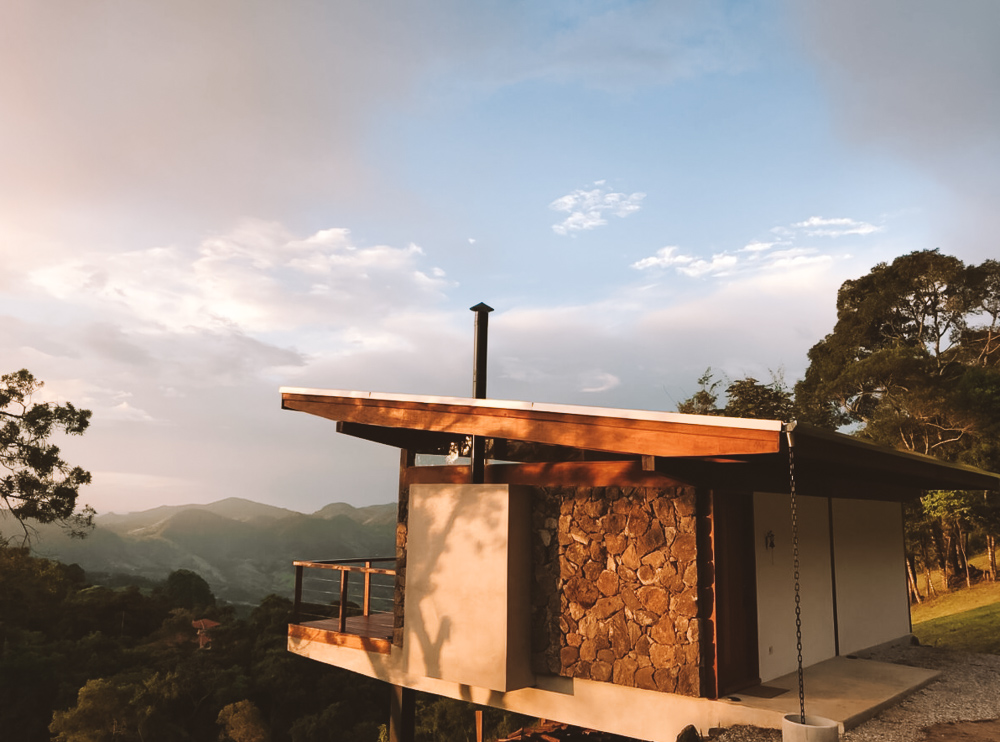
243,549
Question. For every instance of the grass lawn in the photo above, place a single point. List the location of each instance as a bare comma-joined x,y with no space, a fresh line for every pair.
967,619
976,630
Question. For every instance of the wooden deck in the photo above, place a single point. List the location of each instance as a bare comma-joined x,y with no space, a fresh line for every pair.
371,633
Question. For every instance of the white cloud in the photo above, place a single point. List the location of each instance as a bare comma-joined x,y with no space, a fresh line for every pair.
593,382
688,265
759,255
817,226
587,209
664,258
254,279
126,412
756,246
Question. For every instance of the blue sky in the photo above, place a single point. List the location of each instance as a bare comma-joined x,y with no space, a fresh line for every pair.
202,203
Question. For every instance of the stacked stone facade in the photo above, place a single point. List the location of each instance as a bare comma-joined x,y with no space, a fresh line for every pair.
615,596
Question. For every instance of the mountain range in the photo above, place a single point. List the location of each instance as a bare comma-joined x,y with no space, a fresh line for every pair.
243,549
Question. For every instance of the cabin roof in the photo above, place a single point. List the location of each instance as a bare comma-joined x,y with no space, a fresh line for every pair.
721,452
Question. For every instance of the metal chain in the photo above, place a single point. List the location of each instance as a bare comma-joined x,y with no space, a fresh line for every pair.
795,561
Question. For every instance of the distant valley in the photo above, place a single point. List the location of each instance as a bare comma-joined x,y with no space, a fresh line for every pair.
243,549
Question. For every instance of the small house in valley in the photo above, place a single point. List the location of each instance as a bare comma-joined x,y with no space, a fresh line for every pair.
623,570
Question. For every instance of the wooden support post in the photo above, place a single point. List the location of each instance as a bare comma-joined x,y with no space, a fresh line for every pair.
402,714
297,606
479,725
366,610
343,600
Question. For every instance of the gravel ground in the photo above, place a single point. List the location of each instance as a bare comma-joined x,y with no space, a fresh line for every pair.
967,690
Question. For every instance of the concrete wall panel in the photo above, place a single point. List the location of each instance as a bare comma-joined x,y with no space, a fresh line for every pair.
776,583
468,576
871,579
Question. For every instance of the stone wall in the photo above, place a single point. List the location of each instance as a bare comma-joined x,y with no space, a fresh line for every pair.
615,597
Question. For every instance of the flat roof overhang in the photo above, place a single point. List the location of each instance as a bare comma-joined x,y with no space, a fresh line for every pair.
719,452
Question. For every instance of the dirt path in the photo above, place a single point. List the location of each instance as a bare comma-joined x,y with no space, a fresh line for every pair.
964,731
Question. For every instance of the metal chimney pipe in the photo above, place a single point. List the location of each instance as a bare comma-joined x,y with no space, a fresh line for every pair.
479,385
482,331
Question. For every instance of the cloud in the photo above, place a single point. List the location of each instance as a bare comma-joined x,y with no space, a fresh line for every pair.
256,279
593,382
587,209
190,111
758,255
817,226
918,80
688,265
664,258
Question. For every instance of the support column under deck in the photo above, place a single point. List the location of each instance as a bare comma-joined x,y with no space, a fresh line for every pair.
402,714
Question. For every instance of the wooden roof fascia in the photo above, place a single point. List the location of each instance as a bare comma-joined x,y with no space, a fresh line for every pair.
497,404
595,432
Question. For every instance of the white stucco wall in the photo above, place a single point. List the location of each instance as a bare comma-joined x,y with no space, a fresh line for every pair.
776,583
468,579
871,580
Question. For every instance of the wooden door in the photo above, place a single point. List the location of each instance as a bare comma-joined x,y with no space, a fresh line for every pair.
735,592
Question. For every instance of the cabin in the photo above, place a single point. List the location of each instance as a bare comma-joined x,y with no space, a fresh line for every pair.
623,570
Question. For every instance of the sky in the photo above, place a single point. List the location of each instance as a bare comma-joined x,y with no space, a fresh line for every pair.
201,203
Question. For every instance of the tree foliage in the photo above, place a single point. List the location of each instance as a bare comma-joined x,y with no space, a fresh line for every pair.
914,358
705,400
745,397
37,484
243,722
913,362
187,589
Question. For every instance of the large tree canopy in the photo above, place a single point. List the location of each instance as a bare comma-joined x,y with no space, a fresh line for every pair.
37,485
914,359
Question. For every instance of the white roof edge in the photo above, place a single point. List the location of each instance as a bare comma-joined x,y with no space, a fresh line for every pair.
502,404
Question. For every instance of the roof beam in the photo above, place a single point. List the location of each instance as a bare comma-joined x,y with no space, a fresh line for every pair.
594,432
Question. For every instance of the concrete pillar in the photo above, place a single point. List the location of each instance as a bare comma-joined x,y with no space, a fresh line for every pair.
402,714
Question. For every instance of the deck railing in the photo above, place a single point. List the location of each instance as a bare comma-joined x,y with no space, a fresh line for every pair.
324,590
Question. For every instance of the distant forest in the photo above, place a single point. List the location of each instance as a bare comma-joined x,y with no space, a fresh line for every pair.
81,662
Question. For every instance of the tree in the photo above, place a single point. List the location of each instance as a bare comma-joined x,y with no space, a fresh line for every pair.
137,706
749,398
243,722
705,400
37,485
897,364
187,589
745,397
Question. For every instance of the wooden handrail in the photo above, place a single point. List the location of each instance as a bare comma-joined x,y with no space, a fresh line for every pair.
342,564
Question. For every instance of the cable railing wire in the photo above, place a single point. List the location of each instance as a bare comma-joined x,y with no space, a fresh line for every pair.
364,589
